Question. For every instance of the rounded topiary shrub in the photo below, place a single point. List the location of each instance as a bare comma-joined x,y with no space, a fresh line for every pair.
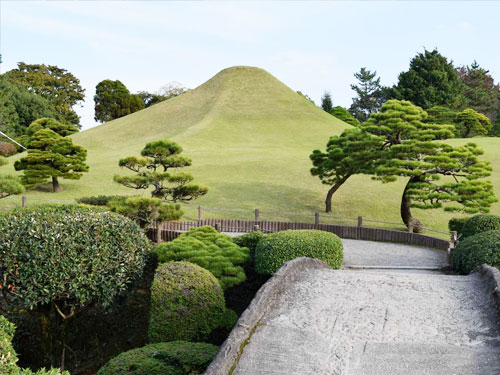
479,224
249,240
166,358
456,224
211,250
187,303
277,248
476,250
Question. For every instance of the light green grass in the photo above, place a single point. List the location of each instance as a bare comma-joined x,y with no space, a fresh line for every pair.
250,137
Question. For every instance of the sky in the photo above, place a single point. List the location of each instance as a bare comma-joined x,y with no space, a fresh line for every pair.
311,46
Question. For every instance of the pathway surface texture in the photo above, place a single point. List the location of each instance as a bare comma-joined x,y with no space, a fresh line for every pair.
312,320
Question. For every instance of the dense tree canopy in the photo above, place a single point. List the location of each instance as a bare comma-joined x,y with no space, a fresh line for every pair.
431,81
152,170
58,86
369,94
113,100
326,102
343,114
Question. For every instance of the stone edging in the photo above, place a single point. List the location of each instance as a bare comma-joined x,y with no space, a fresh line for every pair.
491,277
227,357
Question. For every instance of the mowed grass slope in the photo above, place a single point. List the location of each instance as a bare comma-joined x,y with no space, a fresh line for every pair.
250,137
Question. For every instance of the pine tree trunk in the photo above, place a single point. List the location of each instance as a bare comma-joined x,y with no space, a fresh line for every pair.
413,224
55,185
333,189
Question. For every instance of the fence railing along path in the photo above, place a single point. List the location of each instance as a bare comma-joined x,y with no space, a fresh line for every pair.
167,231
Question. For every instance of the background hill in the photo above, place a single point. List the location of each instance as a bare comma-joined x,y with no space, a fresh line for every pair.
250,137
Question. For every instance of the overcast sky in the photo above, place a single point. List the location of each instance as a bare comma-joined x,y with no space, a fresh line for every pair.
310,46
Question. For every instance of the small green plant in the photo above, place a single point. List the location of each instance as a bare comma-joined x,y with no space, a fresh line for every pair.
479,224
166,358
211,250
187,303
277,248
249,240
99,200
456,224
476,250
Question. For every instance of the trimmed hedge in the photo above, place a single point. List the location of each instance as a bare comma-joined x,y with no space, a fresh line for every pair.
249,240
166,358
100,200
476,250
479,224
187,303
456,224
211,250
277,248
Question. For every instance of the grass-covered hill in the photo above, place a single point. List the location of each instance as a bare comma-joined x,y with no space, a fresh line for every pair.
250,137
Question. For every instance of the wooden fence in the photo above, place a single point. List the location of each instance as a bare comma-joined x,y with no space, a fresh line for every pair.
170,230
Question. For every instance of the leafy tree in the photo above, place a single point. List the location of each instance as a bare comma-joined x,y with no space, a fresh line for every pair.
19,107
168,91
431,81
353,152
470,123
152,169
113,100
495,130
343,114
51,156
326,102
58,86
369,95
441,115
481,92
9,185
438,173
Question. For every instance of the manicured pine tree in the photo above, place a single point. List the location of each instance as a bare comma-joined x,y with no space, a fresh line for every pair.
153,170
343,114
470,123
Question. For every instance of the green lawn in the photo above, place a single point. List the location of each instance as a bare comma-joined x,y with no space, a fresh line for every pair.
250,137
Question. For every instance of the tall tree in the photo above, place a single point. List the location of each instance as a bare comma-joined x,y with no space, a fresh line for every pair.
113,100
153,170
369,95
431,81
58,86
411,151
51,156
326,102
469,123
352,152
481,92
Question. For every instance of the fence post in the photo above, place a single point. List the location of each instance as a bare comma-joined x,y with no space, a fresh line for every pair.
360,221
158,231
256,228
257,214
200,212
316,218
454,237
217,227
23,201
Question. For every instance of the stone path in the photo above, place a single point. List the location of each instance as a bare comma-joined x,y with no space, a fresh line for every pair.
312,320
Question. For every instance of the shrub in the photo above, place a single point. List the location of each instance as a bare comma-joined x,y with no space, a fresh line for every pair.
57,259
211,250
479,224
7,149
166,358
249,240
277,248
187,303
456,224
99,200
476,250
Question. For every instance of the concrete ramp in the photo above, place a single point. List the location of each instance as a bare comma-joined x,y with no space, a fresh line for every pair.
309,319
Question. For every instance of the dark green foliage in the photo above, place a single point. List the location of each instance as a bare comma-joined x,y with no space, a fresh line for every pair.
441,115
51,156
167,358
277,248
58,86
99,200
326,102
145,211
343,114
113,100
473,251
431,81
249,240
211,250
152,170
187,303
495,130
369,95
456,224
470,123
479,224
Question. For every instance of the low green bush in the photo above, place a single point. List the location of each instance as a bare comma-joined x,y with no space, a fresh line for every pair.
99,200
249,240
277,248
476,250
479,224
456,224
211,250
166,358
187,303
